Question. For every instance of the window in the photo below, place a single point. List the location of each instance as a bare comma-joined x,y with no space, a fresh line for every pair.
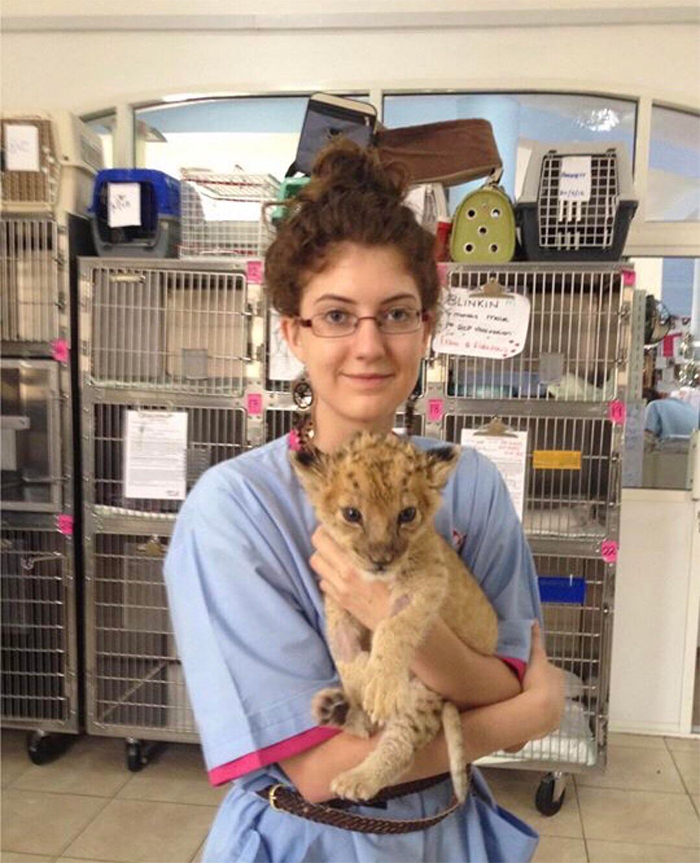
258,134
673,191
104,126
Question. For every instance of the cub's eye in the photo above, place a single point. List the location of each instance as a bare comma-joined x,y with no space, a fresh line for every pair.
407,515
354,516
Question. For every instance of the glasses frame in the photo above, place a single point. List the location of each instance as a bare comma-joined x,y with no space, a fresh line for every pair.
421,317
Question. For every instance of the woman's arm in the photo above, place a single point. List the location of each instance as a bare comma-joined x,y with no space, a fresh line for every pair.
466,678
532,714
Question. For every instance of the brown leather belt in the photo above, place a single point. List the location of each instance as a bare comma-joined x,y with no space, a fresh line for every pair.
286,799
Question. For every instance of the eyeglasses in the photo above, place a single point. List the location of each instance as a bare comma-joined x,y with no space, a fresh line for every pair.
392,322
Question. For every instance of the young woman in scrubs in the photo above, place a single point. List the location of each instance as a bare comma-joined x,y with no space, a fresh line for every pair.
353,276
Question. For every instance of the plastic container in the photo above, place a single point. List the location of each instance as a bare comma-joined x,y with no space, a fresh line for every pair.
577,203
156,233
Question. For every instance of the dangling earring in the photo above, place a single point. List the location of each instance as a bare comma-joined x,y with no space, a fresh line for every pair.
409,413
303,426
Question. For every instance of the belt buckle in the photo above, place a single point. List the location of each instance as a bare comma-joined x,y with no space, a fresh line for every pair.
271,796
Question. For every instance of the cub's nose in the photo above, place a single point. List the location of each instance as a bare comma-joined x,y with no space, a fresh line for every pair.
381,563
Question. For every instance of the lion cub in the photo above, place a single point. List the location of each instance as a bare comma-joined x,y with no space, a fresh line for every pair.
377,496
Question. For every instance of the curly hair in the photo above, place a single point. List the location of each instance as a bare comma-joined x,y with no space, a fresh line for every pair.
351,197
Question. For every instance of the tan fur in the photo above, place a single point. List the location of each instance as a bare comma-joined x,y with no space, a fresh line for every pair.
380,476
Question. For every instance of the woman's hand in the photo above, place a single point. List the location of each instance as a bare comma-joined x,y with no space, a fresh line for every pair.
367,601
546,682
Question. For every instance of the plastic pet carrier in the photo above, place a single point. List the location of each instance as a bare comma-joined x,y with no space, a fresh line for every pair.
135,213
49,162
577,203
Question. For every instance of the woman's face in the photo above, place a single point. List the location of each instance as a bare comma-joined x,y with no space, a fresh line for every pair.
360,379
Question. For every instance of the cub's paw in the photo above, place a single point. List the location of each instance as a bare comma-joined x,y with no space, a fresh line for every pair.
356,784
330,707
385,696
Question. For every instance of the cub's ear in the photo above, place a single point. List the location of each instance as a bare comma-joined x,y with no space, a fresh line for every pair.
310,467
441,462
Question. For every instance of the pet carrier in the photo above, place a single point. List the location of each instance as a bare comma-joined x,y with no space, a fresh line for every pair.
135,214
224,215
49,163
483,228
577,203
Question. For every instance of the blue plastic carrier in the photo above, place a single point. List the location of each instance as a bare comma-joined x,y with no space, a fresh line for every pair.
158,235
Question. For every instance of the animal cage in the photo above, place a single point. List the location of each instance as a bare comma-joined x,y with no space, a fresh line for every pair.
576,345
39,655
224,215
32,469
168,327
33,287
135,685
278,421
50,161
577,604
214,434
572,473
577,202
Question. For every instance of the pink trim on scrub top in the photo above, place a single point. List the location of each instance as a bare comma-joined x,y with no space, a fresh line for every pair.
270,754
301,742
516,665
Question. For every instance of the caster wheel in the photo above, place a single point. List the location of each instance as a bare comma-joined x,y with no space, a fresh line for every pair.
135,756
548,799
44,748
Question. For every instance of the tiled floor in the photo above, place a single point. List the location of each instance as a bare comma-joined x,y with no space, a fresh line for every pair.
87,807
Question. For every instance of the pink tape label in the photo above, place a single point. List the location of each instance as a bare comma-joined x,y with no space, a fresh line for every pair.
254,271
629,278
436,409
608,551
255,404
443,269
65,524
617,412
60,351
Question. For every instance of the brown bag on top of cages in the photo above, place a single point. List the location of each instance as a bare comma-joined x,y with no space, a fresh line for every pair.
449,152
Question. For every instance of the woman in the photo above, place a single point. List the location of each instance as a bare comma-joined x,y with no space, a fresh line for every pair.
353,276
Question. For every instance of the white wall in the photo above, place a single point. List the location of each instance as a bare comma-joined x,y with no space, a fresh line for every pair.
87,70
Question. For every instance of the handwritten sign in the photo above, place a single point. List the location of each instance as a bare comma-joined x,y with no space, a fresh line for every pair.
21,147
436,409
608,551
155,462
123,204
509,454
617,412
482,326
254,404
254,272
65,524
575,178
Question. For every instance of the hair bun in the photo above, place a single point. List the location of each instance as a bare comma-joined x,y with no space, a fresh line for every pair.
343,164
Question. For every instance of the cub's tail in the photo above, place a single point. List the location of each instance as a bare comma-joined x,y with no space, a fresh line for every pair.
454,736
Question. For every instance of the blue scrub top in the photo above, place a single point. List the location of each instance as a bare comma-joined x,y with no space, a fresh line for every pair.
249,624
670,417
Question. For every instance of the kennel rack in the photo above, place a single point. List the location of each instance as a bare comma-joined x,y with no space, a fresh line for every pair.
201,340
